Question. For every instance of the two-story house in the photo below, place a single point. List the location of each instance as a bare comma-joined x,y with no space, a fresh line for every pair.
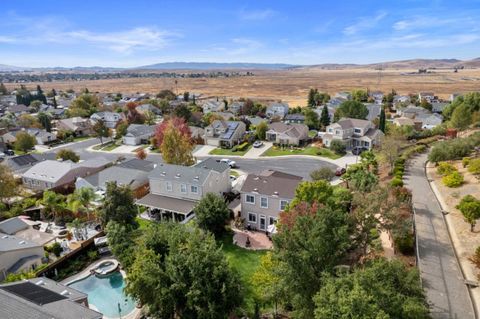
287,134
111,119
265,195
276,109
175,190
78,125
427,96
354,133
224,133
213,106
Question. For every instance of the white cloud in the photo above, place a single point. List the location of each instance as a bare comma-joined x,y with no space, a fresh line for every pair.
421,22
245,14
364,23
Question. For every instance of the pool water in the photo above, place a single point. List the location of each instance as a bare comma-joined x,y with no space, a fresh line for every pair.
105,293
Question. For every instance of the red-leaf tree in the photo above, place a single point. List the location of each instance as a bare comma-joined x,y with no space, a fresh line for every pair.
133,117
176,122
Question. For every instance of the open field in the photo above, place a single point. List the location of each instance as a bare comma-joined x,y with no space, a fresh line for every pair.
291,85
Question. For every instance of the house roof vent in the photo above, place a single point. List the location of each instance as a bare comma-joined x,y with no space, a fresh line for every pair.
255,189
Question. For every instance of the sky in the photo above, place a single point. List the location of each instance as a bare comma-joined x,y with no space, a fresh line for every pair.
125,33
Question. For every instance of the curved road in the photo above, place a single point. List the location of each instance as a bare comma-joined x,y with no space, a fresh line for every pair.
292,165
442,278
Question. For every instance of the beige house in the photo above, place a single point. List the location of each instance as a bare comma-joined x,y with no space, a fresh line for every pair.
354,133
224,133
79,125
264,196
287,134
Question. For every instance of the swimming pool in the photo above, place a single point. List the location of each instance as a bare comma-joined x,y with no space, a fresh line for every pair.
106,293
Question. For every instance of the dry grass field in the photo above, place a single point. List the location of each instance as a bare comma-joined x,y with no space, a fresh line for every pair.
292,85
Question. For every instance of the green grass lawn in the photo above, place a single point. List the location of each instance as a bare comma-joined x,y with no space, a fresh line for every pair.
312,133
106,146
229,152
245,262
309,150
81,138
234,173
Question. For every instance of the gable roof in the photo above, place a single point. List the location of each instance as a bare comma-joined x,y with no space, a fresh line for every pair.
138,164
140,129
186,174
12,226
272,183
347,123
122,175
293,130
213,164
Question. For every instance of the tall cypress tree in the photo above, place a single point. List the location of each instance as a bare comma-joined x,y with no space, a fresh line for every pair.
311,97
381,125
324,117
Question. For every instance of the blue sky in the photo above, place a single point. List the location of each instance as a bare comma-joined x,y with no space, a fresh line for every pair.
132,33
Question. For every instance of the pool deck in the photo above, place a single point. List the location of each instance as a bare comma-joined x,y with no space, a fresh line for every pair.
135,314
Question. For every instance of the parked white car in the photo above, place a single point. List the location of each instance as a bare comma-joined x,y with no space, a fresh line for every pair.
230,163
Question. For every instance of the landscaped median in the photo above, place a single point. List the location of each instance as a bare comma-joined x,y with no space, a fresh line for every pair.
309,150
106,147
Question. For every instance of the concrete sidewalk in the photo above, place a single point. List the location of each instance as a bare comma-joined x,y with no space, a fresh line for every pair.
441,275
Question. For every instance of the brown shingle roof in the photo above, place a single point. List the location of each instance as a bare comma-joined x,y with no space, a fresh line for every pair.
272,183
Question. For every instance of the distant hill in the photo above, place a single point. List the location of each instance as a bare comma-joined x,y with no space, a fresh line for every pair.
10,68
213,66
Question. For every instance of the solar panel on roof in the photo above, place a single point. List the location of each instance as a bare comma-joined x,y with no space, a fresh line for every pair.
33,293
24,160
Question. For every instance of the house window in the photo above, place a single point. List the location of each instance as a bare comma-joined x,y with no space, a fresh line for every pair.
250,199
194,189
283,204
252,218
264,202
367,144
169,186
271,220
357,131
183,188
337,132
330,130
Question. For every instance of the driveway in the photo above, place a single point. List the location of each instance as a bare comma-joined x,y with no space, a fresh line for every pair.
440,272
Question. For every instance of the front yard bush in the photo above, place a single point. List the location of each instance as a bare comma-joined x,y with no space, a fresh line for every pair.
454,149
338,147
454,179
469,206
405,243
324,173
466,161
241,147
474,166
396,182
445,168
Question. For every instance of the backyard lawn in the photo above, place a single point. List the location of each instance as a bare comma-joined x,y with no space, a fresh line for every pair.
229,152
309,150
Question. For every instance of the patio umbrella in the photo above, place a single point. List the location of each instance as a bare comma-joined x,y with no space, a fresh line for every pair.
272,229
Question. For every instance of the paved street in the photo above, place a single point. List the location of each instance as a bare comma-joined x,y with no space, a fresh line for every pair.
439,270
293,165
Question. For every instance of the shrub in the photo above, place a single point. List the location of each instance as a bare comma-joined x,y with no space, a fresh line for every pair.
454,149
241,147
338,147
396,182
469,206
445,168
454,179
405,243
324,173
465,161
56,249
474,166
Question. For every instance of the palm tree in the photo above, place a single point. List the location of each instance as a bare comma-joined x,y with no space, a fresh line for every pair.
53,203
81,200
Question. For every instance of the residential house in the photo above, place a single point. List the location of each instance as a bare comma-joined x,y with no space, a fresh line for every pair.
354,133
138,134
226,116
377,96
374,111
343,95
254,120
143,108
453,96
235,107
224,133
438,107
111,119
297,118
335,102
55,113
18,109
78,125
427,96
264,196
42,137
43,298
55,174
20,164
400,100
287,134
429,120
412,111
278,110
213,106
196,132
403,121
175,190
132,173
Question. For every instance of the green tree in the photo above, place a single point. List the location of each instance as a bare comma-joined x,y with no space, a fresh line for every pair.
186,96
321,98
81,201
311,119
54,205
360,95
176,147
338,147
469,206
325,117
121,243
322,173
3,89
84,105
461,117
360,179
380,290
101,130
261,130
121,129
8,186
352,109
182,111
212,213
149,117
311,240
118,205
67,155
381,125
311,97
45,120
181,272
24,142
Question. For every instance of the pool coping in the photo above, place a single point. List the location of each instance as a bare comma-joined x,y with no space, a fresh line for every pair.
135,313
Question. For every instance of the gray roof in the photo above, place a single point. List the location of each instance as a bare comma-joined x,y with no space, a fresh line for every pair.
167,203
16,306
12,226
10,243
347,123
123,176
150,108
439,106
213,164
21,262
140,129
107,116
138,164
295,117
272,183
22,162
187,174
299,131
